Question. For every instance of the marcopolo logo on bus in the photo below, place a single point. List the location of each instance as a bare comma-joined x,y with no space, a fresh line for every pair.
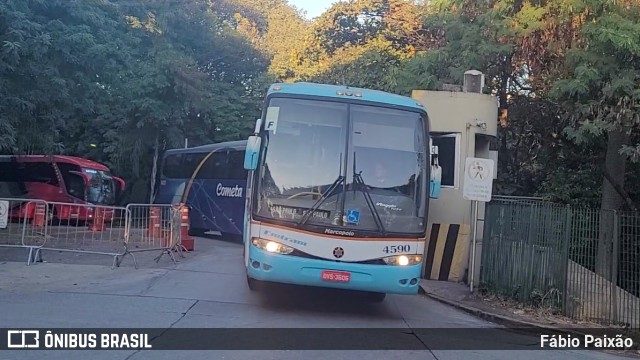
228,191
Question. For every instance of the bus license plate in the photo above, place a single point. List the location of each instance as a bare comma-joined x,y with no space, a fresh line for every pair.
336,276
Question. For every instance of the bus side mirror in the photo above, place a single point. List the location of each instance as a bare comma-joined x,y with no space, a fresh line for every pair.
258,126
85,178
119,187
436,175
120,182
251,153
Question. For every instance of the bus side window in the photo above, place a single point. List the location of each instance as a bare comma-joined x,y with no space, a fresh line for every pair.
40,172
190,164
10,182
213,168
74,184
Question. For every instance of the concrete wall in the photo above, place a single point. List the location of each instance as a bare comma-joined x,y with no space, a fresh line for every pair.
594,298
460,113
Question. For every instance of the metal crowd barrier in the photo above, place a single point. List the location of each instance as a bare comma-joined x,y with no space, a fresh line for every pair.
153,227
91,229
23,224
84,229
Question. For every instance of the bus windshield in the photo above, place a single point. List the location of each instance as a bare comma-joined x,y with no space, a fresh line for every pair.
361,166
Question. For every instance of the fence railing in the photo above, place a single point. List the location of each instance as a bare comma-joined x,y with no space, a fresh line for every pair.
584,262
117,232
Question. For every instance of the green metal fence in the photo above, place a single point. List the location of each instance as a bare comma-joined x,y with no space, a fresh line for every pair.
583,262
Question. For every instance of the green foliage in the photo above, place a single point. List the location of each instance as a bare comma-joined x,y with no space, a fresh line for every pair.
274,27
600,87
426,71
465,41
124,75
350,24
368,66
357,42
578,185
564,89
136,76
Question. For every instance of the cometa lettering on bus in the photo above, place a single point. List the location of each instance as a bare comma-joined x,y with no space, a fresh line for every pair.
227,191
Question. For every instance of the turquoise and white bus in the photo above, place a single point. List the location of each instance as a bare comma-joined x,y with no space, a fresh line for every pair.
338,189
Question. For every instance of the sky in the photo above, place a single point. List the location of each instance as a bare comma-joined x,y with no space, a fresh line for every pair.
312,7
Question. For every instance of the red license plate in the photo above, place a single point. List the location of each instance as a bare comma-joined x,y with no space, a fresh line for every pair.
336,276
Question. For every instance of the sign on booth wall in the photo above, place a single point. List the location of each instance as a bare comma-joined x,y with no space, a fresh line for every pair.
478,179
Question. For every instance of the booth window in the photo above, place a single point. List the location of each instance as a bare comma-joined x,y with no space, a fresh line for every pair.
448,155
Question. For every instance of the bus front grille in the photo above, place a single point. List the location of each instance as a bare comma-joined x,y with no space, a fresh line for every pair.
301,254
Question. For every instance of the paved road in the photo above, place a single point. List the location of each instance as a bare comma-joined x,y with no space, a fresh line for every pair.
208,289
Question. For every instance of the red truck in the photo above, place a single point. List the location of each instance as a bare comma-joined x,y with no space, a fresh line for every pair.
58,179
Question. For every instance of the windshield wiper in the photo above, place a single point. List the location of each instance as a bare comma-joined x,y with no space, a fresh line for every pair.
357,179
321,200
324,196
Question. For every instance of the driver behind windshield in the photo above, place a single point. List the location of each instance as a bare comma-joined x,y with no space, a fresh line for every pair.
380,180
377,178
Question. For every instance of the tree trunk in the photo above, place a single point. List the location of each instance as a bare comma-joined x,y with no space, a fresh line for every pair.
612,201
154,171
503,112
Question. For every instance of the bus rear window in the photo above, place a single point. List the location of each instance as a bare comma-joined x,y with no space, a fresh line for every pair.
172,167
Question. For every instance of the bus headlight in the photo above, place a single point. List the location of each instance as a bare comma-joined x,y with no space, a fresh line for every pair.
272,246
403,260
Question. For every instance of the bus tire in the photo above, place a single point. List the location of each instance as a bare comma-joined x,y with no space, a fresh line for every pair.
234,238
376,297
254,285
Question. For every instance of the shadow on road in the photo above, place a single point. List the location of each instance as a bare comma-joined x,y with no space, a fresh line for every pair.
281,297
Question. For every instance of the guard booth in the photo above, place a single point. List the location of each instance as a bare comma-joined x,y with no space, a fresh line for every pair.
464,124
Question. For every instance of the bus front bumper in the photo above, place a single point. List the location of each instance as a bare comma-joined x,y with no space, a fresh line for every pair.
295,270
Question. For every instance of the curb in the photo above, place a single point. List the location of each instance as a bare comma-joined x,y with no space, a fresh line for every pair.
495,318
518,325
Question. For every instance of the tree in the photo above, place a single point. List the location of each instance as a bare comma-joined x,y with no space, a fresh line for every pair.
274,27
120,81
196,74
358,42
53,53
601,93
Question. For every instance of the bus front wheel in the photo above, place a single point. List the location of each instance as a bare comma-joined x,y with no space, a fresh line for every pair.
254,285
376,297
